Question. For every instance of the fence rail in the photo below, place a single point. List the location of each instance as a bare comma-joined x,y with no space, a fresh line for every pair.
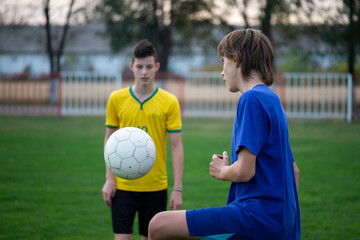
29,94
304,95
325,95
85,93
206,95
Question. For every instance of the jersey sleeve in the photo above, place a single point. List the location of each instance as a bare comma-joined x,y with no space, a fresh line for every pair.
253,126
112,119
173,118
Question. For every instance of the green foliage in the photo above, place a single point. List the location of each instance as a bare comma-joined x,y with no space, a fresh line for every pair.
295,61
340,31
217,67
52,172
342,66
129,21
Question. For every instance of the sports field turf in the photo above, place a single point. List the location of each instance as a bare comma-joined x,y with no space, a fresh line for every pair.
52,172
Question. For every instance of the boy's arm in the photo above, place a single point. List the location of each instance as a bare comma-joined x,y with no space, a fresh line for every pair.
243,170
297,175
109,187
177,152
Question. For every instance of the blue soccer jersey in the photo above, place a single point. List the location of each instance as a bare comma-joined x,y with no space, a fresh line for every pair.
267,206
261,126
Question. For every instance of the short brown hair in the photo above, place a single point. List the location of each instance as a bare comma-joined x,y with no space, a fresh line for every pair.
144,49
252,50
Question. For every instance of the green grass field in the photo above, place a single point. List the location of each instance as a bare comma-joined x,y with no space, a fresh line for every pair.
52,172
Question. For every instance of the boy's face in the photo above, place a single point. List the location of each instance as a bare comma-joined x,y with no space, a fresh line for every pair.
231,75
144,70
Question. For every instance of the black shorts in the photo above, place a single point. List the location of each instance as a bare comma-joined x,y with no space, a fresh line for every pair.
125,204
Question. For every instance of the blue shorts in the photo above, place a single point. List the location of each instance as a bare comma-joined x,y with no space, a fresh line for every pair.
228,236
213,221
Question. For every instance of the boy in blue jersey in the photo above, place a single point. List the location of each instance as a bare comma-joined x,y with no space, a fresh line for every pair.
263,196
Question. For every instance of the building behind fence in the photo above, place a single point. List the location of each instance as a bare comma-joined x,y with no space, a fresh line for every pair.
303,95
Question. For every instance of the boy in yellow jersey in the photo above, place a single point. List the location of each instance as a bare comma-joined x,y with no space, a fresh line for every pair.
156,111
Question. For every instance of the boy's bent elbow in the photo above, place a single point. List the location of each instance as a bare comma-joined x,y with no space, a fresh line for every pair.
249,176
297,170
244,177
297,175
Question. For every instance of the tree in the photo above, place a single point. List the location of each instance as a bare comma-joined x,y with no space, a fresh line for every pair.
352,34
55,54
128,21
271,13
343,33
340,33
242,7
11,14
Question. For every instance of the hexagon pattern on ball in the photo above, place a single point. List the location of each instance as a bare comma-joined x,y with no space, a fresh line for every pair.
129,153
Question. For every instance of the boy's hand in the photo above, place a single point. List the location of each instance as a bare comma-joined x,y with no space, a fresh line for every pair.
218,166
175,200
109,191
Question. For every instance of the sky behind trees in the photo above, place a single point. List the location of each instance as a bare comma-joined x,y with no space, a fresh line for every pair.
30,12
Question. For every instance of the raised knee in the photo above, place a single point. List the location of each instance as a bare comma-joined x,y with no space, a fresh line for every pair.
154,227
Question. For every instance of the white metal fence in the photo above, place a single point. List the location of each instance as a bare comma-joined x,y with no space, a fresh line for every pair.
85,93
318,95
25,93
304,95
206,95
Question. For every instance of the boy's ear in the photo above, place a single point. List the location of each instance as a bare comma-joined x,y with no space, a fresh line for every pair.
157,66
131,66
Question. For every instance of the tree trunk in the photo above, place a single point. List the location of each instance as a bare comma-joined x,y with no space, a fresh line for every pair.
351,46
164,48
48,36
266,19
55,59
266,27
63,38
351,38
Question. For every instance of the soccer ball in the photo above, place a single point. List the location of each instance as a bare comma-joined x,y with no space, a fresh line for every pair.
129,153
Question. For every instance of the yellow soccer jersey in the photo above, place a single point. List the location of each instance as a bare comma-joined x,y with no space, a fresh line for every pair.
157,115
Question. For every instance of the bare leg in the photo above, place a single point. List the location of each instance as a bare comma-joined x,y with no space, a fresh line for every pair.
169,225
127,237
123,236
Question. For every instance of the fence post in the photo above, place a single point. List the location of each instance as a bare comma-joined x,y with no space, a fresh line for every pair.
59,90
349,98
282,88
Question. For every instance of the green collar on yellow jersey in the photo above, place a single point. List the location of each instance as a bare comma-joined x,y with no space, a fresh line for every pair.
142,103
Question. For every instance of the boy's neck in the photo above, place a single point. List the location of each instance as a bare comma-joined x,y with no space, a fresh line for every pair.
143,92
251,84
252,81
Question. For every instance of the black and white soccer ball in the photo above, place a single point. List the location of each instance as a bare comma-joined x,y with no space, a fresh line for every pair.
130,153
